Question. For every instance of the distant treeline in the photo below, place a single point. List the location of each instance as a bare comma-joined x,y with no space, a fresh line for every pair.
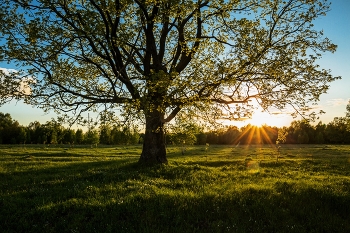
52,132
299,132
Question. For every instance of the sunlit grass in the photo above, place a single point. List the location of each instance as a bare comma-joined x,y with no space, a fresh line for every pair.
218,189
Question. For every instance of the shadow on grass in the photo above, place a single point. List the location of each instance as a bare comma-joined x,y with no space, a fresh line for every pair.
216,163
122,196
248,211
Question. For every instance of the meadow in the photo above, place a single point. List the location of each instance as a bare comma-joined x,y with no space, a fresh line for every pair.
57,188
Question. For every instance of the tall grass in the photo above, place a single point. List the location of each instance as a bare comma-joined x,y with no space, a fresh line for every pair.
222,189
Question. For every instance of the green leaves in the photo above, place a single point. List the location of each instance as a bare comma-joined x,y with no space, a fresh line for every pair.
167,55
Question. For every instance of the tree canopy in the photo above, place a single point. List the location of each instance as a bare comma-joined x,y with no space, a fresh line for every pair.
155,59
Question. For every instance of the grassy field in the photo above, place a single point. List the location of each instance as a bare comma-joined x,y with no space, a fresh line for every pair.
214,189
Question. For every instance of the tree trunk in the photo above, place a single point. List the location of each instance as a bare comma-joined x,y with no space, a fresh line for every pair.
154,150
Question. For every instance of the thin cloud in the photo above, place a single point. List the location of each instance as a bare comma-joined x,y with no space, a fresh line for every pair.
337,102
8,71
281,113
316,107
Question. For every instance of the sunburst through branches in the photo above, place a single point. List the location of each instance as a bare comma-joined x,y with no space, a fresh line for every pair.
252,134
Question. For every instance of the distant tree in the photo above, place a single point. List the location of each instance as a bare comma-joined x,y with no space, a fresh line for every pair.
268,134
303,137
105,134
184,131
249,135
212,137
9,129
337,131
13,141
5,122
156,59
201,138
68,136
29,137
282,135
230,136
348,115
319,138
117,135
35,131
53,136
92,137
320,130
300,132
22,135
124,134
54,131
39,140
132,135
79,136
348,110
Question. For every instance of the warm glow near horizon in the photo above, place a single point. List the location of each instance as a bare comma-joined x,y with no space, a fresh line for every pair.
260,118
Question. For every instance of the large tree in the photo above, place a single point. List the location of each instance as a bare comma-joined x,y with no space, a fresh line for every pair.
156,58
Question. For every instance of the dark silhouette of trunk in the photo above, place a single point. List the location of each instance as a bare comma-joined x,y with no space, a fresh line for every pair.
154,150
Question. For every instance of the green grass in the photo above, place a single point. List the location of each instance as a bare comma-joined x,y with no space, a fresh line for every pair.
221,189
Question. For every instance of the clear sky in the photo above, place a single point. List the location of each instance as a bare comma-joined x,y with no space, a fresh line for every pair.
336,26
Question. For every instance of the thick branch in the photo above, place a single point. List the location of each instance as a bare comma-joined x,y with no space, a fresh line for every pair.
173,114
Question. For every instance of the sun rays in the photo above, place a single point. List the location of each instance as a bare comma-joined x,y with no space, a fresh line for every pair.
252,134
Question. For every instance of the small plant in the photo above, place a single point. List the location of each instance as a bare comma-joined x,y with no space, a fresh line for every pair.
278,147
183,148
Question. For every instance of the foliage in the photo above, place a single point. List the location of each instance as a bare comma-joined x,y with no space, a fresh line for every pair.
282,135
347,116
124,134
105,134
9,129
92,137
69,136
303,138
184,132
157,58
79,136
348,110
338,130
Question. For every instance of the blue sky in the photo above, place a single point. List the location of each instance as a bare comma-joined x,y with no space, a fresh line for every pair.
336,26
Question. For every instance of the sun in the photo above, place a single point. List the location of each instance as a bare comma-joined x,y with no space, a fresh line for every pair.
260,118
254,130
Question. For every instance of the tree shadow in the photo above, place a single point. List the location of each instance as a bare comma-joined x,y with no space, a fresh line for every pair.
120,195
284,209
217,163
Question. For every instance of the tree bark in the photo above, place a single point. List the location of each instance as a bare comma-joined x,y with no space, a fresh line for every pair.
154,150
